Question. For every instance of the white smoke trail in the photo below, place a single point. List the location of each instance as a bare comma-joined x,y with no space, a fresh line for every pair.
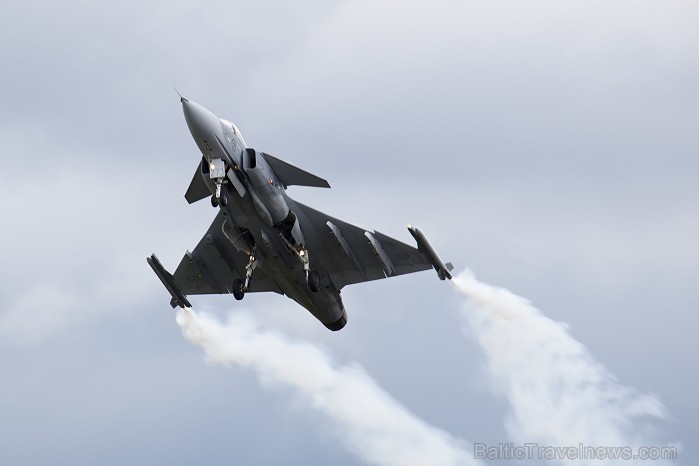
559,394
373,425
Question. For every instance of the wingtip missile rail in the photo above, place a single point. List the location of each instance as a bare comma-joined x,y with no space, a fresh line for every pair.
424,246
178,298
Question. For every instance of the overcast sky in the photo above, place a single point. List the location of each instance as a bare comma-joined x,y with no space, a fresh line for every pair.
549,146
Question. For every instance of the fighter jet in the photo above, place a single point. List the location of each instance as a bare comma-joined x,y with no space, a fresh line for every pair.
263,240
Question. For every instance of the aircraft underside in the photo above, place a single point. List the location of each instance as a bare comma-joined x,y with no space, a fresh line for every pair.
262,240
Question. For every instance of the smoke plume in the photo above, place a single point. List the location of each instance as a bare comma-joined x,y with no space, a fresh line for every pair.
559,394
370,422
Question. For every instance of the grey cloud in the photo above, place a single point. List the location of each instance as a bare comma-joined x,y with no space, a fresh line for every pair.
548,146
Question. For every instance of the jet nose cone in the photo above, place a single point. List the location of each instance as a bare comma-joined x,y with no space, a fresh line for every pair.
201,122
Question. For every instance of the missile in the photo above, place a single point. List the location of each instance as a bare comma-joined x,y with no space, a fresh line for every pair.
178,299
424,246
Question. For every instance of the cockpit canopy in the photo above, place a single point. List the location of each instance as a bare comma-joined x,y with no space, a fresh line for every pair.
235,130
